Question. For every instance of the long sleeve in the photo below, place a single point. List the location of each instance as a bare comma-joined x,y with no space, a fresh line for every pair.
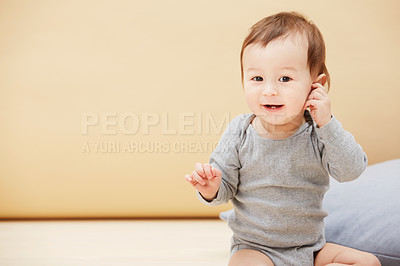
342,157
225,158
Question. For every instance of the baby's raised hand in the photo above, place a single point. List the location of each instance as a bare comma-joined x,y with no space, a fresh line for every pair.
320,105
205,179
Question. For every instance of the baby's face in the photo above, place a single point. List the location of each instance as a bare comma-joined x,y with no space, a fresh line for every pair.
277,79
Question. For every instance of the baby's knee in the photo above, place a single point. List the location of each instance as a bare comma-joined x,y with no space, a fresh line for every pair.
370,260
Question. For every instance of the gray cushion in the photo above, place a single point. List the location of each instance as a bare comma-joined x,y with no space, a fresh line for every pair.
365,213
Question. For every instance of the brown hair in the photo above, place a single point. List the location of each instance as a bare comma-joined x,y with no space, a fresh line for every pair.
280,25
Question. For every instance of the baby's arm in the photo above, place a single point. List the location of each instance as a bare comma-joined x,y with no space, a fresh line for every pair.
206,180
217,181
342,156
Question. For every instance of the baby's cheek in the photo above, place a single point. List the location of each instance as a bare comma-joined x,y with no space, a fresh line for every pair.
251,99
299,97
296,104
304,96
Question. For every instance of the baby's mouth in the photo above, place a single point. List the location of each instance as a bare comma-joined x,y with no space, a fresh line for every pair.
273,107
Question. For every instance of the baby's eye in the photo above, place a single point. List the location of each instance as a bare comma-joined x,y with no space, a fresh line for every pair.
285,79
257,78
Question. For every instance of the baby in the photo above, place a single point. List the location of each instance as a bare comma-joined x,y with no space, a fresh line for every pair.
274,164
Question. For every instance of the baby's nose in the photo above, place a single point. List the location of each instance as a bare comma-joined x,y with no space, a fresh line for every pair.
270,90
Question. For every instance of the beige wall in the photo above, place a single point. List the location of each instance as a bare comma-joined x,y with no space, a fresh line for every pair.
169,63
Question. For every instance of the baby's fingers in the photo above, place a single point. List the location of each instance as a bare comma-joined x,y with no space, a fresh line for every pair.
192,181
318,85
216,172
208,171
198,178
198,167
318,91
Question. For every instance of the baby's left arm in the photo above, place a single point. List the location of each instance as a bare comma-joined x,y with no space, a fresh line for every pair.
342,157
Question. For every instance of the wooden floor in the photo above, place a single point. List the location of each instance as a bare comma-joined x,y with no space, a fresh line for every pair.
114,242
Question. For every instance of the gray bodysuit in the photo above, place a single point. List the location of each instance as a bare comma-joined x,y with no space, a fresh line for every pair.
277,186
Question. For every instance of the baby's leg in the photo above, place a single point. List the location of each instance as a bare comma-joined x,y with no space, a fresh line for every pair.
249,257
333,254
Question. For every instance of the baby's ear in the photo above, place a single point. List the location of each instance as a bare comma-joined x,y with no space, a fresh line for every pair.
321,79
